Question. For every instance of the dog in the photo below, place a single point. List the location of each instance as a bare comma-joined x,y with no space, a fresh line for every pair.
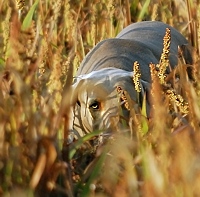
109,65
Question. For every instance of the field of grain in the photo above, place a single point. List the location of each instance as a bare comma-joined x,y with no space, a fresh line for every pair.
42,43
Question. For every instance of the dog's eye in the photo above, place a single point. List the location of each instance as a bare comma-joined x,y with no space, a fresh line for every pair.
95,105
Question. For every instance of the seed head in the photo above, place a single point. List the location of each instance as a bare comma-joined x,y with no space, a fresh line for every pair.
136,76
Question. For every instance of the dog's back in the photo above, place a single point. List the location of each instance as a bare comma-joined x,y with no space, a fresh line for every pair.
142,42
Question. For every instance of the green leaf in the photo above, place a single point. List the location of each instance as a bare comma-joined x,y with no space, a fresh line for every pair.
2,64
144,122
144,106
95,173
145,126
80,142
28,19
144,10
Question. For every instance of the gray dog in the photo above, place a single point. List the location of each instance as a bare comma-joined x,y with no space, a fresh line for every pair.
110,64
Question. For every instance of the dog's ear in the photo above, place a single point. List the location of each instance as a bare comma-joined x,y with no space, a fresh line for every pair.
127,84
142,98
73,100
76,88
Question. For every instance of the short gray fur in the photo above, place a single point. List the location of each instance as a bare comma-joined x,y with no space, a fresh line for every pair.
142,42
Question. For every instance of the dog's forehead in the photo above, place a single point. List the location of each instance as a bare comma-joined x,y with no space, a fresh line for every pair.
106,74
100,84
96,89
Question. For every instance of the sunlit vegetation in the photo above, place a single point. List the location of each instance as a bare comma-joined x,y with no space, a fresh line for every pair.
41,46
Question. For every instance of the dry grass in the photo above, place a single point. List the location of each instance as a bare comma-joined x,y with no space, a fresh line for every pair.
41,46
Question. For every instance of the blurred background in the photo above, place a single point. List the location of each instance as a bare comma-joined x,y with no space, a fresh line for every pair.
42,43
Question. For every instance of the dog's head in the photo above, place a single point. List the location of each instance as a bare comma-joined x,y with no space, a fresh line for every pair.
98,103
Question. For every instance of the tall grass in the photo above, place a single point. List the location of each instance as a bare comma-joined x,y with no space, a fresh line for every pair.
41,45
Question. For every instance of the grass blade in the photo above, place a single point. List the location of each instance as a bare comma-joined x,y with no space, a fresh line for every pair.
28,19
